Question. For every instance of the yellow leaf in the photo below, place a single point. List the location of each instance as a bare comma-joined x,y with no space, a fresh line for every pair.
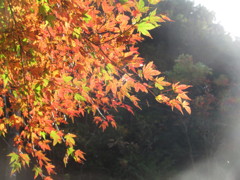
154,1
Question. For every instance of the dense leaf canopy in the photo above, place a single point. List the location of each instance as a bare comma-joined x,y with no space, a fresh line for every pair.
61,59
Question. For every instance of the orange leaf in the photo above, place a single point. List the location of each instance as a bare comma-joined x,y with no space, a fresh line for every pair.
69,139
113,123
97,119
179,88
49,167
166,18
79,156
162,99
43,145
182,96
135,100
106,7
104,125
139,86
25,158
48,178
176,104
149,72
185,105
161,82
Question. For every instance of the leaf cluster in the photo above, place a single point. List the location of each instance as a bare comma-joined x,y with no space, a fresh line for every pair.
65,59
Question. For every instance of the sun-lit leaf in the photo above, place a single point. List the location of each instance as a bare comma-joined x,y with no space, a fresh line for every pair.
159,86
70,150
176,104
140,87
162,99
13,157
185,105
178,88
182,96
149,72
141,6
56,138
144,28
69,139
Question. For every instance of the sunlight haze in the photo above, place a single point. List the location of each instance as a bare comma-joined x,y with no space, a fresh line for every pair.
227,14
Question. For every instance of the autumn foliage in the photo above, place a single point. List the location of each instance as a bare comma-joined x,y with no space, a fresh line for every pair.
61,59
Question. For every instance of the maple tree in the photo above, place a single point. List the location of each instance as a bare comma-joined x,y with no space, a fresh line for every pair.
61,59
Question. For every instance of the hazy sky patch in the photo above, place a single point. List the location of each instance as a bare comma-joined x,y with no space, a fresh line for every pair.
227,13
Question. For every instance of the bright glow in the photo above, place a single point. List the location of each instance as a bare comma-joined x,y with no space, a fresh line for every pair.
227,13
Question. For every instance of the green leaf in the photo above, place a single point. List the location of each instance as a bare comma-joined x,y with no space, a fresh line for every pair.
2,5
25,40
44,9
15,93
14,161
110,68
37,171
56,138
32,10
144,27
154,20
67,78
77,32
43,134
123,1
160,87
85,88
69,139
16,166
78,97
87,18
5,79
50,19
45,82
18,49
2,56
14,157
37,88
141,6
153,13
70,151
